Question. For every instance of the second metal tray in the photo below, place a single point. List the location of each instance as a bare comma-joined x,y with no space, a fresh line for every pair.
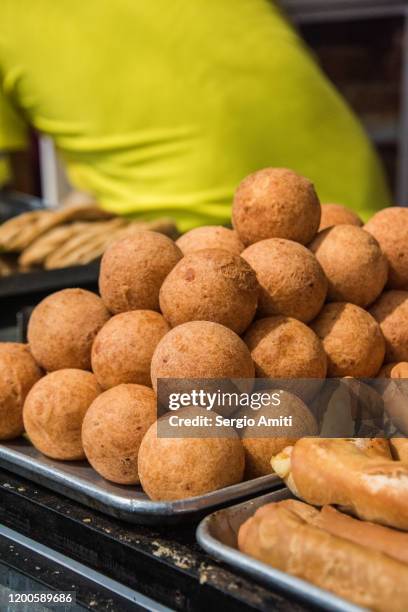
218,532
78,481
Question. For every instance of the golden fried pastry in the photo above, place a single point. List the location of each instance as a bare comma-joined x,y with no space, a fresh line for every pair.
55,409
123,349
292,281
352,340
210,237
353,262
210,285
133,270
173,467
336,214
113,430
18,373
276,203
62,329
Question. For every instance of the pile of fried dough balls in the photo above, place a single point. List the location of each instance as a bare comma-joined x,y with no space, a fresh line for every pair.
296,290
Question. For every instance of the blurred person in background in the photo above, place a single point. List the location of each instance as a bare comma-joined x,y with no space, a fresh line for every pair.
160,108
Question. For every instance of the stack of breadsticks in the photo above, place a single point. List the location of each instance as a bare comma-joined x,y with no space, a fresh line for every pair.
69,236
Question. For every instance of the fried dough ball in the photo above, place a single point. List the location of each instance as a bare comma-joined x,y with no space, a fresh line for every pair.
133,270
353,262
18,373
365,400
391,313
62,329
276,203
352,340
210,237
395,393
201,349
113,428
172,468
394,370
336,214
123,349
390,228
285,348
54,410
260,446
210,285
292,281
347,407
395,396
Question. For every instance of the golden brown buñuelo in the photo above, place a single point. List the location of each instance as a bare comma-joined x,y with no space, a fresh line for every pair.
18,373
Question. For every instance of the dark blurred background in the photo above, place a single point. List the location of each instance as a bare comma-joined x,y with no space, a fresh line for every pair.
362,46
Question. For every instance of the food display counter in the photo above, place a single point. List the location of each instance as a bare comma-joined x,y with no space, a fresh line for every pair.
161,566
286,376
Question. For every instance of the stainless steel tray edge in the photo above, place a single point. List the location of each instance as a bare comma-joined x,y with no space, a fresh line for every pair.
79,482
228,520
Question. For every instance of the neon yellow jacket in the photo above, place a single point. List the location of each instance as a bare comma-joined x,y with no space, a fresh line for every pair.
161,107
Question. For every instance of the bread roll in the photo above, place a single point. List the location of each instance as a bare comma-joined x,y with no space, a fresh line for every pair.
342,472
389,541
383,539
280,536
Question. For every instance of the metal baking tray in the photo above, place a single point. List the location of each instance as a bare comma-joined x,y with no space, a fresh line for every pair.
217,534
78,481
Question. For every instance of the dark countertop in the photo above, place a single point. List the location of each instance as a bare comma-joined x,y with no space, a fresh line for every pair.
20,291
165,564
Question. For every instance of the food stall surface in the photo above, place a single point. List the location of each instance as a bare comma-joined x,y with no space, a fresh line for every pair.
164,565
